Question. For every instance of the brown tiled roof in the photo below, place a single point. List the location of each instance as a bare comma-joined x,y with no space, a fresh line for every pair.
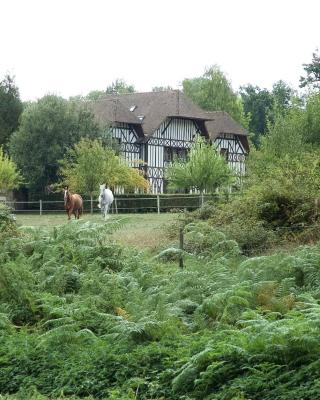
152,107
221,122
112,110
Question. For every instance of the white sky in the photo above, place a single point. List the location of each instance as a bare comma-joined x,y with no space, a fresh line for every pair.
71,47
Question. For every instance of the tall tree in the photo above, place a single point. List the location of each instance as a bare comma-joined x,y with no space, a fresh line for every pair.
282,95
89,163
48,127
119,86
312,120
312,70
257,103
213,92
263,106
10,109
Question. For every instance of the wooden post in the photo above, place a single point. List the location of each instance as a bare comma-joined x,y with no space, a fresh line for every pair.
40,204
91,205
181,248
116,205
202,199
158,203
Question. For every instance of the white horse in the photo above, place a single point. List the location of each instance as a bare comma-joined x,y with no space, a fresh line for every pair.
105,200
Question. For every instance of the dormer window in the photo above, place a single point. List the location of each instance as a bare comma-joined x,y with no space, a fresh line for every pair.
132,108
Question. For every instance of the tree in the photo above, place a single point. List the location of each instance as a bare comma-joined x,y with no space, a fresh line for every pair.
313,72
48,127
311,114
264,106
89,164
10,177
95,95
282,94
119,86
161,88
10,109
213,92
205,169
257,103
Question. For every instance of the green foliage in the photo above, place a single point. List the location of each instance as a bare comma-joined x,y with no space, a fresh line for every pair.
282,95
286,136
95,95
204,170
279,200
311,120
48,127
10,177
89,164
258,104
10,109
213,92
265,106
119,86
7,221
208,210
203,239
161,88
81,317
312,70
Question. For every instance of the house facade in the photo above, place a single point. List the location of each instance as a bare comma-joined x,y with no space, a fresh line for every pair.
154,128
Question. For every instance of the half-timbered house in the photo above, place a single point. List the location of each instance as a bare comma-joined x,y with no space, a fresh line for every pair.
123,126
230,139
156,127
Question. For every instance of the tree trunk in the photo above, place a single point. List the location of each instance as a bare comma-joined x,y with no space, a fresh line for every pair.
202,198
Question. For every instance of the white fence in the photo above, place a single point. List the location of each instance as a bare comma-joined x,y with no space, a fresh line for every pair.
158,204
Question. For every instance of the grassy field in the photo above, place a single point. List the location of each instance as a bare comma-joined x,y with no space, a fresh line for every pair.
139,230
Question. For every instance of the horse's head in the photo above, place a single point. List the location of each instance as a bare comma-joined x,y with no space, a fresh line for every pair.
66,194
102,187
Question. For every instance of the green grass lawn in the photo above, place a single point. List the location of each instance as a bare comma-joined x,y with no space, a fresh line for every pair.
139,230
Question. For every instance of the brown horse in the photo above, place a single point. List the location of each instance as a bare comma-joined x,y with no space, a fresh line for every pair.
73,203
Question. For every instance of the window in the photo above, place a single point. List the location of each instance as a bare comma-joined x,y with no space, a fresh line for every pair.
224,153
172,153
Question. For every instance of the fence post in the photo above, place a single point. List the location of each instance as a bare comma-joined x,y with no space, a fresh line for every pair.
91,205
158,203
40,204
116,205
181,249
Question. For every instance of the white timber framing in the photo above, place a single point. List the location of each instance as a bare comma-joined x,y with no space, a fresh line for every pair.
231,147
129,145
175,133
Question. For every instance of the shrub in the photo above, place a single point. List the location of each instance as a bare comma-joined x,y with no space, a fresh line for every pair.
7,220
251,236
207,211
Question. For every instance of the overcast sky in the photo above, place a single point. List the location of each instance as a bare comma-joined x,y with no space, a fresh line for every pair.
71,47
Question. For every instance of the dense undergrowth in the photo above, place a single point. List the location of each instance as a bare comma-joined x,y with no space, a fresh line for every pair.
82,317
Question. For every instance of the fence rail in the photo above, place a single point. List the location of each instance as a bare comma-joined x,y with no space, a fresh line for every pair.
157,203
